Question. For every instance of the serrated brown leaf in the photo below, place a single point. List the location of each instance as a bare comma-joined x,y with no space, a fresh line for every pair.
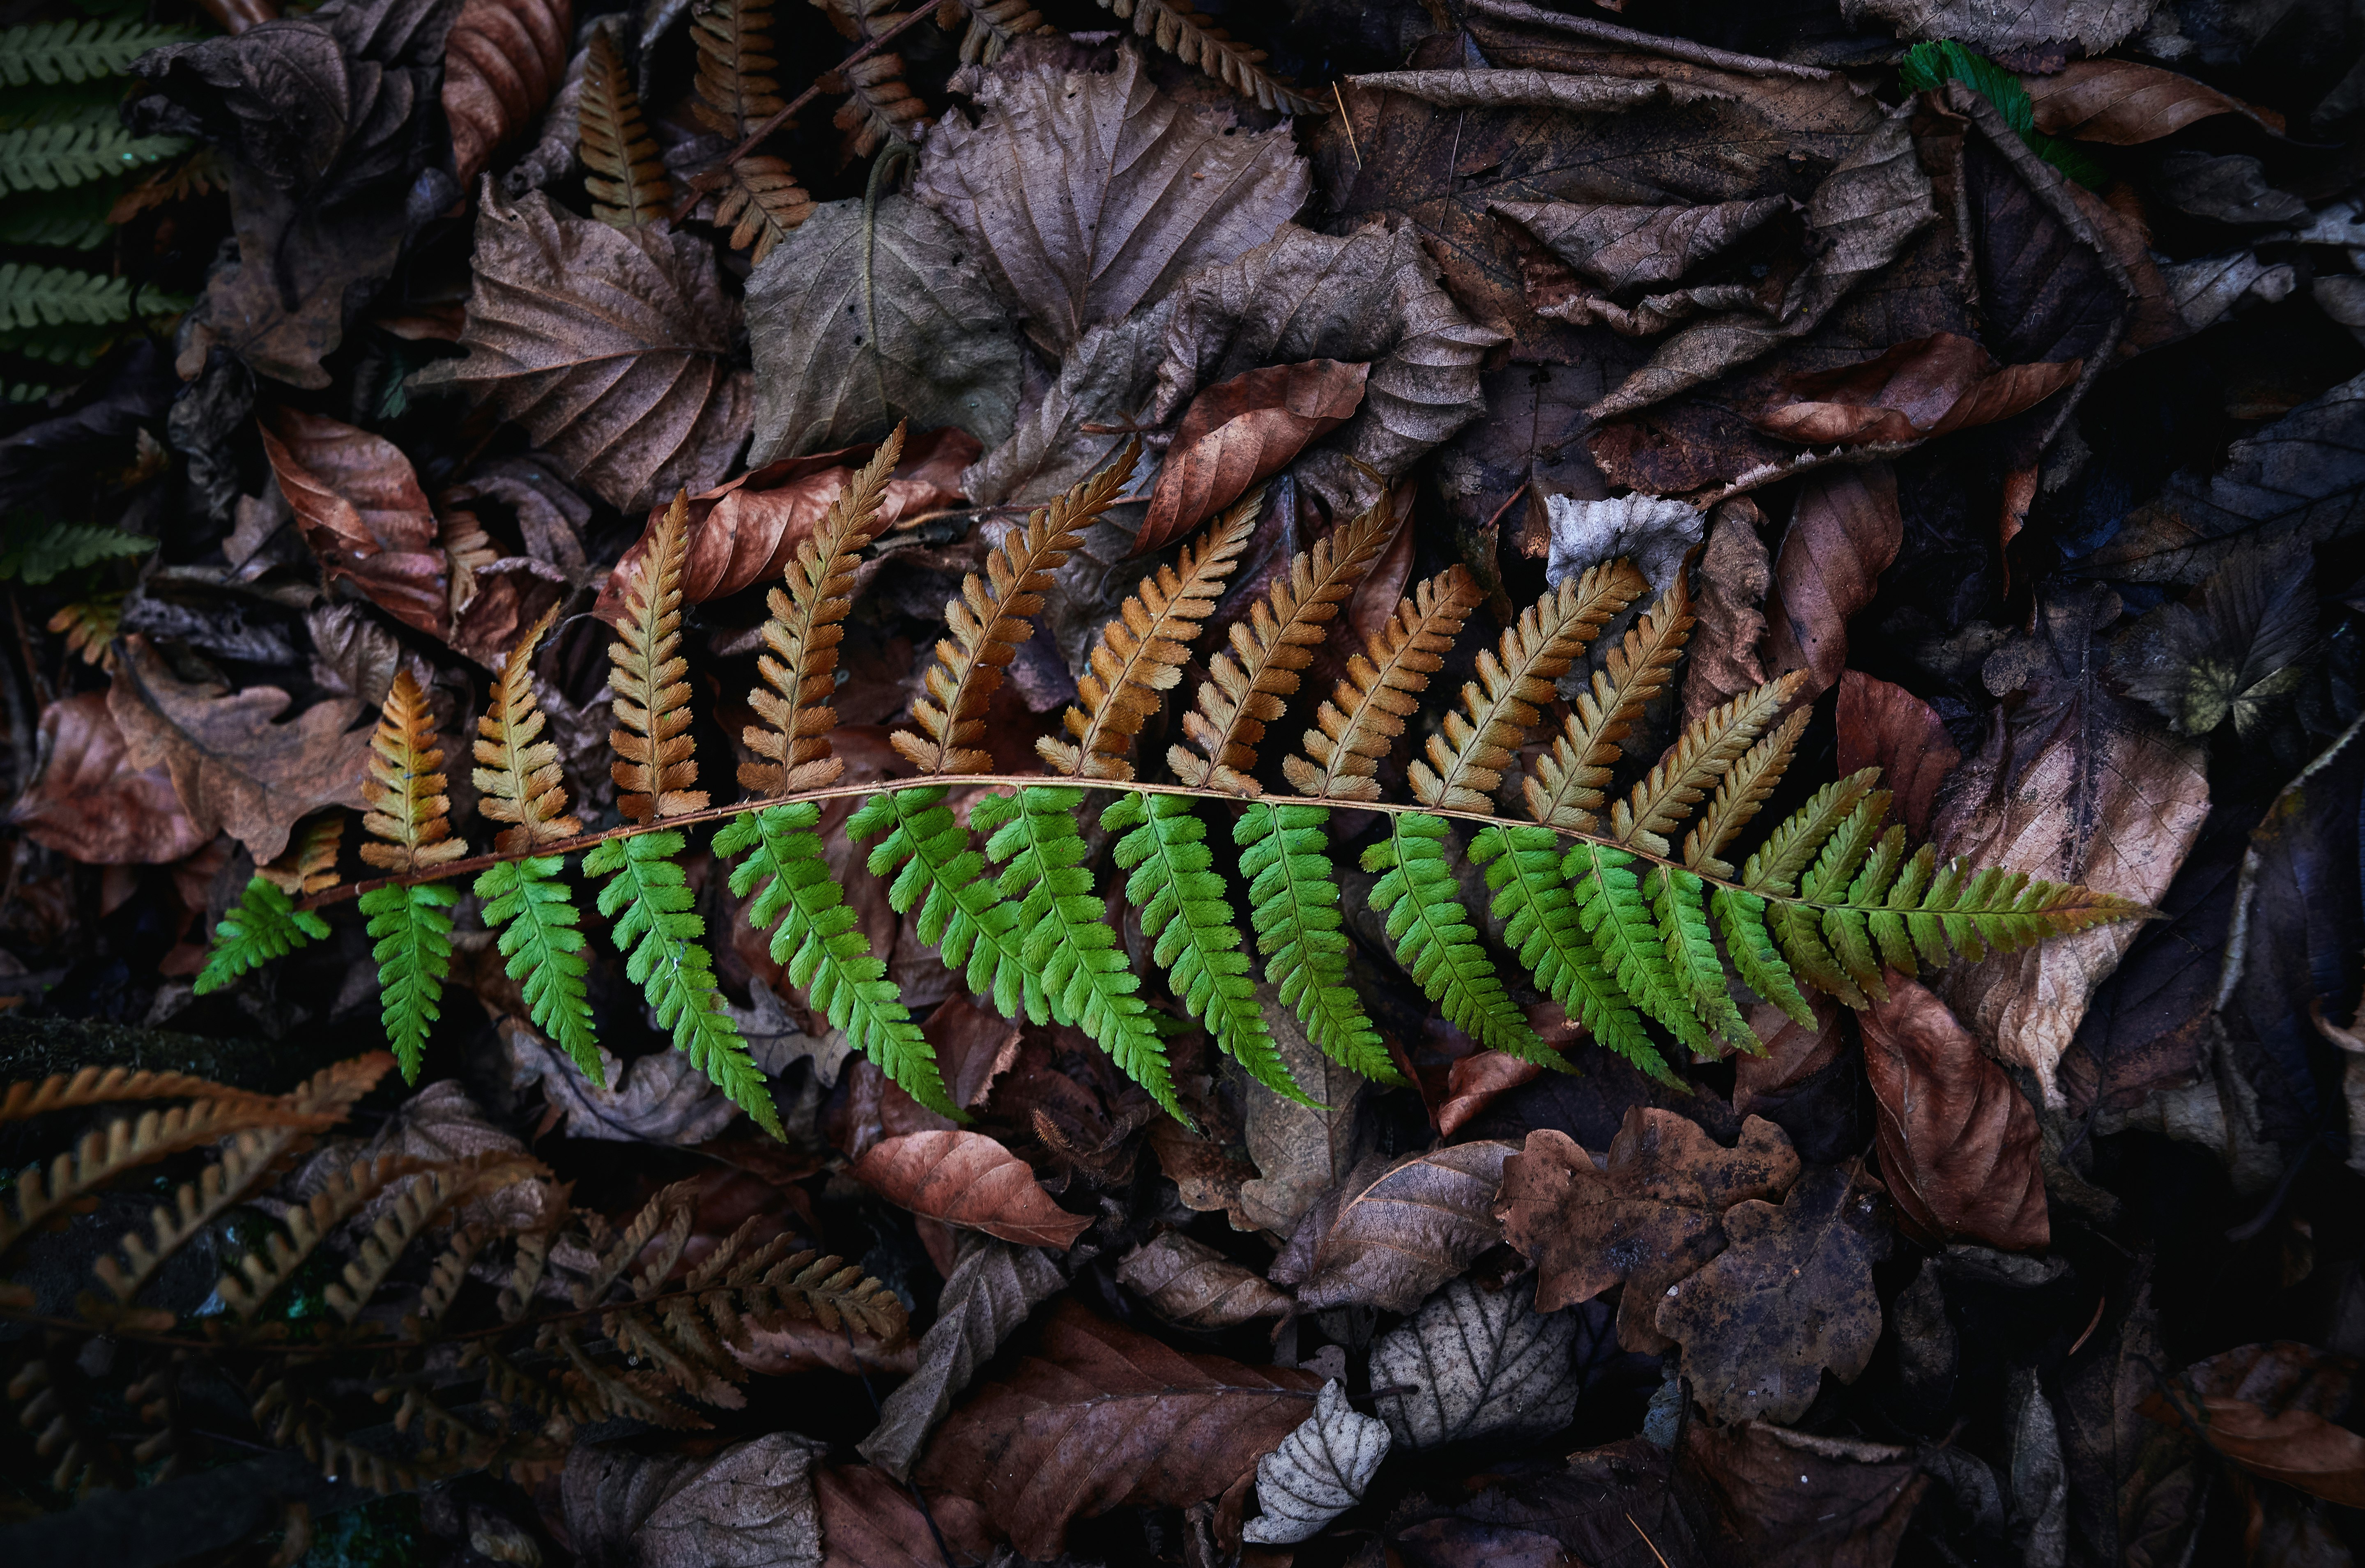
1886,727
359,505
2271,1409
967,1179
501,62
91,802
1958,1142
1399,1230
1649,1214
612,347
1191,1283
1096,1417
1775,1499
1789,1298
1240,432
1920,388
234,767
1844,532
986,1299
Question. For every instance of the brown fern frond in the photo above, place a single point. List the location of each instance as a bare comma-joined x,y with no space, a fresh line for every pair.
800,664
244,1165
407,807
734,56
446,1276
1246,687
526,1269
113,1085
417,1207
1182,33
993,27
654,768
990,617
758,199
1742,794
261,1272
1698,760
1467,760
88,626
830,1291
1564,788
1141,651
309,862
627,181
518,777
1381,690
661,1210
878,107
632,1397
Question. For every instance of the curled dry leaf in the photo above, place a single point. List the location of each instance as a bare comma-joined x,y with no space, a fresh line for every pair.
612,346
1648,1214
1927,386
2123,102
1096,1417
927,342
2270,1409
1240,432
1620,243
501,62
359,505
1089,193
967,1179
1318,1473
986,1298
1886,727
1300,1151
1735,571
91,802
1789,1298
751,1506
1188,1283
1399,1230
1473,1362
1958,1143
234,767
1474,1081
1652,532
1844,532
1775,1498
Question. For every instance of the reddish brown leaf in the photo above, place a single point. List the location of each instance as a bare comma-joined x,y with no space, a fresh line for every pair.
1187,1283
1928,387
1844,532
2122,103
1958,1142
1647,1215
1395,1233
974,1046
1728,608
1099,1417
1242,432
91,802
1793,1051
869,1521
742,533
359,505
2268,1408
967,1179
502,62
1775,1499
1205,1177
1472,1083
1888,727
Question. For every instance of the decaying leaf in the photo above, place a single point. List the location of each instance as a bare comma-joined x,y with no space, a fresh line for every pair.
1927,386
750,1506
1620,243
1844,532
2123,103
1653,533
1728,606
867,1520
1300,1151
360,508
501,64
1191,1283
986,1298
1473,1364
1318,1473
1958,1142
661,1098
1240,432
1886,727
1395,1232
1789,1298
1775,1498
2270,1409
967,1179
2090,26
2237,654
91,802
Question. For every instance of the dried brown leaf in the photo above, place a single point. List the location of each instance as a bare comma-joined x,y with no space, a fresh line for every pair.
869,1521
501,62
967,1179
1775,1499
91,802
2272,1410
359,505
2124,104
986,1299
1191,1283
1399,1230
750,1506
1920,388
1618,244
1888,727
1958,1143
1736,571
1300,1151
1844,532
1238,434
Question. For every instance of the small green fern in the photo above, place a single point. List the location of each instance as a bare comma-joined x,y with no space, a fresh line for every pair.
262,925
527,904
37,551
52,296
412,927
71,152
1294,908
52,52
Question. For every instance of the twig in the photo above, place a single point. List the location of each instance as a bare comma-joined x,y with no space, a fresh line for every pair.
1348,120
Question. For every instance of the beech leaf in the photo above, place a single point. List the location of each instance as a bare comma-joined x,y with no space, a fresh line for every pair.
1190,1283
91,802
2123,102
986,1298
750,1506
1238,434
1618,243
967,1179
359,505
1844,532
1923,388
502,61
1473,1363
1399,1230
2274,1409
1888,727
1318,1473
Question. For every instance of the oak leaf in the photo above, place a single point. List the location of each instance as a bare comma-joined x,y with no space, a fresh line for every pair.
359,505
501,62
1238,434
986,1299
1095,1416
1191,1283
1958,1143
91,802
1395,1232
967,1179
612,348
1473,1362
1318,1473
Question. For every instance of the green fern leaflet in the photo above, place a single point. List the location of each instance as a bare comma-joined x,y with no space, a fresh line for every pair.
1542,926
262,925
50,52
535,916
37,551
938,871
1293,909
1421,901
413,928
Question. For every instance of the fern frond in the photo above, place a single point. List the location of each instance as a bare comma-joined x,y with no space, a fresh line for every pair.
938,871
800,664
1065,934
627,181
1467,759
1367,713
412,925
759,200
1141,651
264,924
1294,908
110,1086
994,25
1420,898
1245,687
1182,33
407,807
63,153
88,626
52,52
826,954
734,90
649,900
309,864
262,1270
1627,939
1701,756
68,223
518,777
830,1291
654,767
37,551
1774,870
990,618
1188,922
1679,900
1742,793
532,909
880,106
1542,923
1741,916
413,1210
1563,788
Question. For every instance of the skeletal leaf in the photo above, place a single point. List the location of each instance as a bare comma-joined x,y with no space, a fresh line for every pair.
1318,1473
1472,1362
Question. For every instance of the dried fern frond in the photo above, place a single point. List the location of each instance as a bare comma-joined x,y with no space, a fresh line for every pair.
799,663
112,1085
1697,762
417,1207
88,626
735,89
627,181
993,27
1466,761
1741,795
1181,32
879,107
1564,788
990,618
407,807
757,199
309,864
261,1273
1246,685
518,777
1141,651
654,768
1364,716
